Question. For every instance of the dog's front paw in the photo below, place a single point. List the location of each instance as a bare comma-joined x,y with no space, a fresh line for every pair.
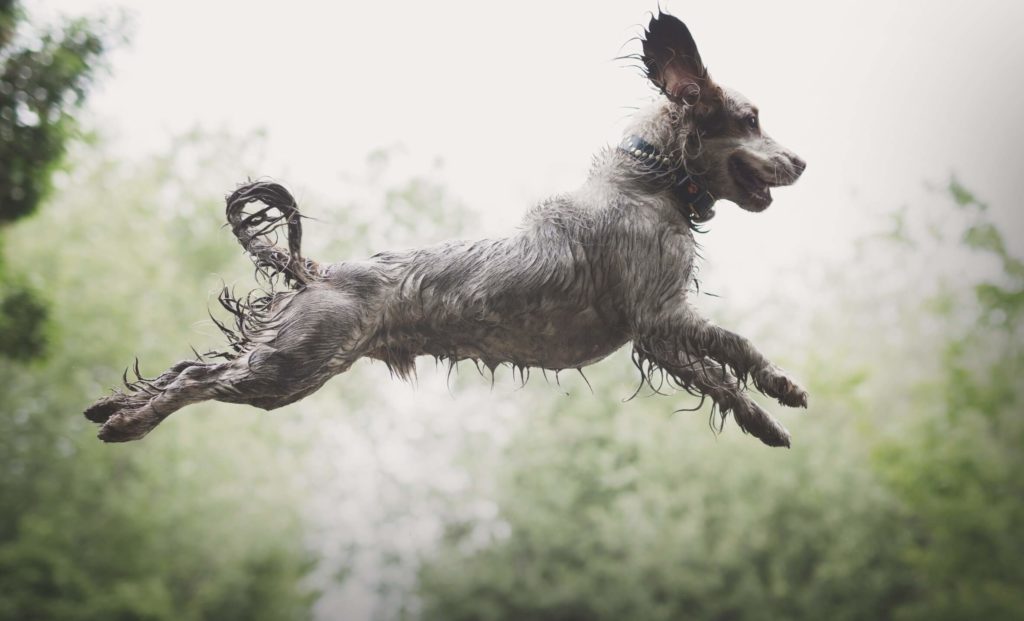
773,382
754,420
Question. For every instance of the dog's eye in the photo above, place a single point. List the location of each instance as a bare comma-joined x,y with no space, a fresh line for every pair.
752,121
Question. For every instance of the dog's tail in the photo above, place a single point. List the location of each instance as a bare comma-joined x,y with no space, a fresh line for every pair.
257,232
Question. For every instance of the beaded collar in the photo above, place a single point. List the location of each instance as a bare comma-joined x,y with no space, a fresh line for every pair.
698,202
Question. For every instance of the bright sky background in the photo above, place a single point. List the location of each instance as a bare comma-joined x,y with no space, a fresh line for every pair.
881,98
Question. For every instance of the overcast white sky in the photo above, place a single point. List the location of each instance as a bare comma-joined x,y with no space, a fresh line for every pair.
878,97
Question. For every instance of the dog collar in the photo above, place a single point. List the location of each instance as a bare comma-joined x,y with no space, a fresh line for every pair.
698,201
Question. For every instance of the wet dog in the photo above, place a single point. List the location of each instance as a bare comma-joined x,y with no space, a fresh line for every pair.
590,271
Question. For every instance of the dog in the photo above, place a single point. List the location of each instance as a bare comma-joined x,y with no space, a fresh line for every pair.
589,271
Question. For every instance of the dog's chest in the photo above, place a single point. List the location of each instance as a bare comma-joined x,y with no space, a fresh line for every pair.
658,266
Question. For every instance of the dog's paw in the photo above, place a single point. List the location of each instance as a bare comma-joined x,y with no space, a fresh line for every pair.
756,421
774,383
128,425
106,407
123,417
791,394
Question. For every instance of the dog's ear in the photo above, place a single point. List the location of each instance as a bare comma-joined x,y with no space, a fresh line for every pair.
672,60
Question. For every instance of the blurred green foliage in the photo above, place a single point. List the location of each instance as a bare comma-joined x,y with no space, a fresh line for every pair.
45,75
957,474
202,522
22,317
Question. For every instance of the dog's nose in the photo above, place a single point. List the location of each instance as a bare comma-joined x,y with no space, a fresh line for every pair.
798,165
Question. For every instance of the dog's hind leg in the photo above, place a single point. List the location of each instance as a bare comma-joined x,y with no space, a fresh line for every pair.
265,384
315,336
139,393
131,415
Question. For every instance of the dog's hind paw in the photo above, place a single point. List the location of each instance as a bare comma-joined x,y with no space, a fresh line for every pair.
123,417
128,425
105,407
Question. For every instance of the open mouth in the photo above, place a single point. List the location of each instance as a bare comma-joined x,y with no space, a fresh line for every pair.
759,194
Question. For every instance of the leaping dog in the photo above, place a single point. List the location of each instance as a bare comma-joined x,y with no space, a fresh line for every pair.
589,271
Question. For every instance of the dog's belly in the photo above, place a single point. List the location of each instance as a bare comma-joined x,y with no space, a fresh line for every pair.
556,339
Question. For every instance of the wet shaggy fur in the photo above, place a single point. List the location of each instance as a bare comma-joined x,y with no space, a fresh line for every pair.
589,271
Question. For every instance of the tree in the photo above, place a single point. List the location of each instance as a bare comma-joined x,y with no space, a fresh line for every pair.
45,75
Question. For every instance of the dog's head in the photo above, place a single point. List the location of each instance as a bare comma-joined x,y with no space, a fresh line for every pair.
716,129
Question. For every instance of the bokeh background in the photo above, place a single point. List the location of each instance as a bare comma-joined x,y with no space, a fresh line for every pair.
888,279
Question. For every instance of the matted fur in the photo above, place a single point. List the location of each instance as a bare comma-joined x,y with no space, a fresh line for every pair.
589,271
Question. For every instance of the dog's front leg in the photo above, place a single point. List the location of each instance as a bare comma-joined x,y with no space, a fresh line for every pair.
701,338
704,376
